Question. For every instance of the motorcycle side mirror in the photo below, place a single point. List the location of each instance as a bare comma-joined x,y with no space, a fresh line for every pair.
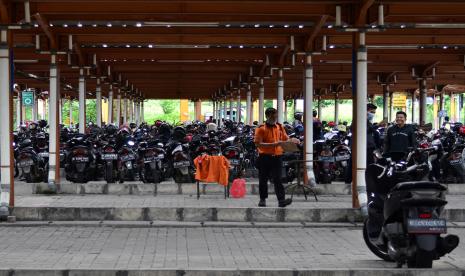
378,154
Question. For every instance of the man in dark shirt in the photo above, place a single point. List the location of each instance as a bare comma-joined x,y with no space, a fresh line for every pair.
399,137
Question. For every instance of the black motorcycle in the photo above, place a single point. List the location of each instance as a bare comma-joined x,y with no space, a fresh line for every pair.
127,161
109,157
181,164
151,157
31,165
80,164
405,212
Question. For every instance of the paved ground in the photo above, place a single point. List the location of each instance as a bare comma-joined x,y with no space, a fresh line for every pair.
193,248
324,201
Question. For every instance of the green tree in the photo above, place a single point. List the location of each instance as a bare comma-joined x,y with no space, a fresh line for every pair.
168,106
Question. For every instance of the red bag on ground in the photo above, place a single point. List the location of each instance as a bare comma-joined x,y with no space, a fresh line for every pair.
238,189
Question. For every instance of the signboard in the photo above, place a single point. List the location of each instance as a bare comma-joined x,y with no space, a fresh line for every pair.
28,98
399,101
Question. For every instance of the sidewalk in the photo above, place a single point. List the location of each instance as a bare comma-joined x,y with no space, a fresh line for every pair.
204,249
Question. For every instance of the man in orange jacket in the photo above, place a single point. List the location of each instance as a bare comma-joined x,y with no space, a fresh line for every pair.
268,139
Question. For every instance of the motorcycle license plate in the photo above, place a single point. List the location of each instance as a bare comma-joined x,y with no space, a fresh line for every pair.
326,158
234,162
181,164
110,156
456,161
150,159
43,154
342,157
80,159
26,163
128,157
427,226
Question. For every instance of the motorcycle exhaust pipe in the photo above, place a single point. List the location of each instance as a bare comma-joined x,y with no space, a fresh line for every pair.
448,243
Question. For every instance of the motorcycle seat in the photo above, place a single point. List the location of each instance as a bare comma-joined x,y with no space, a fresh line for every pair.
403,186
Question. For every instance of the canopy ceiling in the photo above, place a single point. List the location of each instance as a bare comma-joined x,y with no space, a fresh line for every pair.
194,49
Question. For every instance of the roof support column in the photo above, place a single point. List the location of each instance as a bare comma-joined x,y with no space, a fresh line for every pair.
435,111
142,119
214,111
361,123
98,103
423,102
441,107
230,109
130,110
19,110
239,107
414,99
125,109
391,107
54,137
70,102
198,110
224,110
35,107
261,102
6,148
118,109
308,120
82,102
285,110
249,106
110,106
457,106
385,102
336,108
319,106
60,109
44,109
280,98
218,115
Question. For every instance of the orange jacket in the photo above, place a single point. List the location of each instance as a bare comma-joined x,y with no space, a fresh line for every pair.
212,169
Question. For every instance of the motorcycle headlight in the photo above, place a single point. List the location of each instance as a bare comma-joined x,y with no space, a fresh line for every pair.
131,143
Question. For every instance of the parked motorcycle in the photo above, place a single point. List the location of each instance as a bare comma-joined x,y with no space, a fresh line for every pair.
405,212
80,166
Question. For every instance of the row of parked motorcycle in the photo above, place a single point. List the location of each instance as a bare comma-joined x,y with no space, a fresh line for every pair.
333,154
155,153
147,153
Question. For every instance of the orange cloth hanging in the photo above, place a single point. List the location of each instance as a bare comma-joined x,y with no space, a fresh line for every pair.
212,169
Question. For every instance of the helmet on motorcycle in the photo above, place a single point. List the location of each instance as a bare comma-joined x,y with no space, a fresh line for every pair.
462,130
158,123
211,127
124,131
164,129
132,125
42,123
32,126
111,129
331,124
179,133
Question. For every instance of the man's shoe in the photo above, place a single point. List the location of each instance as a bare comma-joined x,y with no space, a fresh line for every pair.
284,203
262,203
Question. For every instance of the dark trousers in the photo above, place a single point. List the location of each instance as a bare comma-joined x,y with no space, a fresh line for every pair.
270,166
